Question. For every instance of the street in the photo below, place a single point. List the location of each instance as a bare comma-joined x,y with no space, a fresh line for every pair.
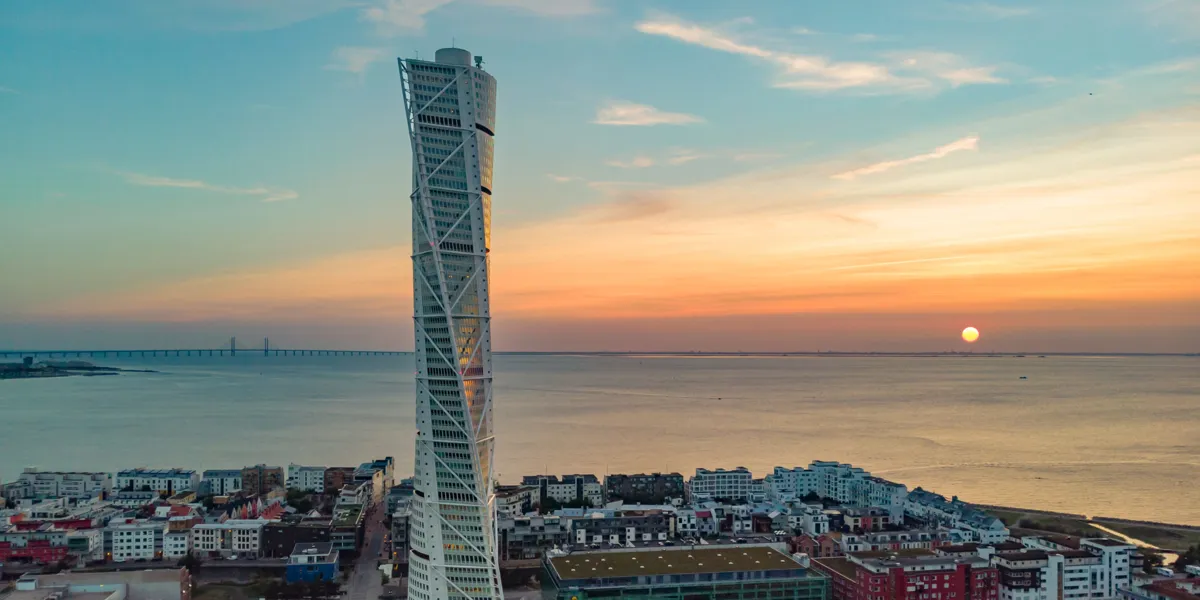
364,582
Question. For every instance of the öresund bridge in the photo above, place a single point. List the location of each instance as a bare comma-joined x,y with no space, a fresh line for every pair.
233,349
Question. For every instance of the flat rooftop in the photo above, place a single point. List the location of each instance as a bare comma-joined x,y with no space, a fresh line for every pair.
586,565
840,565
904,553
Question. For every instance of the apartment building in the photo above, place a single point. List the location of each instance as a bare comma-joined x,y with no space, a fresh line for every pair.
222,482
338,477
241,538
516,500
622,530
260,479
570,489
653,488
163,481
734,484
909,576
131,539
530,537
300,477
32,483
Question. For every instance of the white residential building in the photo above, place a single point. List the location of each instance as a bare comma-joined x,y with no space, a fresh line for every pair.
841,482
450,108
571,488
132,540
734,484
300,477
169,481
176,544
1115,559
223,482
87,544
33,483
236,537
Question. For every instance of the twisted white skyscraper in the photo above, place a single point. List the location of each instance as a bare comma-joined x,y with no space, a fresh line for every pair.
451,110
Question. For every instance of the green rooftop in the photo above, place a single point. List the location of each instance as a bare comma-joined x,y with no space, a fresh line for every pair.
674,561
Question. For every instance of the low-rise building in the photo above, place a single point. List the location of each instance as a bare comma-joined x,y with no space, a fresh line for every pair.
279,538
134,498
401,493
163,481
44,544
653,488
346,532
524,537
911,575
571,489
32,483
235,537
866,519
177,544
622,530
693,573
400,544
733,485
86,544
312,562
260,479
300,477
150,584
223,482
514,500
133,539
338,477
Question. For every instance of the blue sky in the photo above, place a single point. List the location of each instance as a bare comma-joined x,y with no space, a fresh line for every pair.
153,147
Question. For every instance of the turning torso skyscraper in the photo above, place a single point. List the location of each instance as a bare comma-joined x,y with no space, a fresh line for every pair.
451,108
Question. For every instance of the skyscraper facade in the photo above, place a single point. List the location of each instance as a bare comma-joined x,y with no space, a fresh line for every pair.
450,105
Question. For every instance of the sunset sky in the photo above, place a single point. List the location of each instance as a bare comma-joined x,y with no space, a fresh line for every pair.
689,175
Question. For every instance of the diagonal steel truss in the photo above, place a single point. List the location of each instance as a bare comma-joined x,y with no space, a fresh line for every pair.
461,356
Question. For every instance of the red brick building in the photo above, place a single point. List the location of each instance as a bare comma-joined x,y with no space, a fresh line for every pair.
36,551
909,575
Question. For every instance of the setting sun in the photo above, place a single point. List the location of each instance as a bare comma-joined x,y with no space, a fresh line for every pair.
970,334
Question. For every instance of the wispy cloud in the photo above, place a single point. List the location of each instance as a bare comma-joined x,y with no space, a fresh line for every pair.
756,156
804,31
267,194
560,178
620,112
821,73
355,59
682,156
946,66
637,162
393,17
967,143
988,10
8,90
549,8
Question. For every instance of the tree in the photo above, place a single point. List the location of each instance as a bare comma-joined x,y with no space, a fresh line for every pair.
811,497
1150,561
191,562
1189,557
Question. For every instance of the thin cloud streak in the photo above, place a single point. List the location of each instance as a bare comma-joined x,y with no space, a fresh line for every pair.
967,143
987,10
393,17
267,194
355,59
820,73
637,162
625,113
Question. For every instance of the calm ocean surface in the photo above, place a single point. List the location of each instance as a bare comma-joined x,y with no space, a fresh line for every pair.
1101,436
